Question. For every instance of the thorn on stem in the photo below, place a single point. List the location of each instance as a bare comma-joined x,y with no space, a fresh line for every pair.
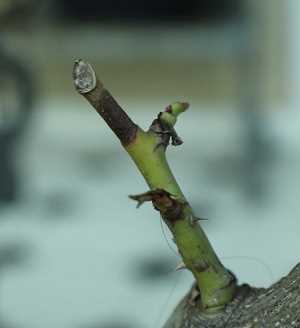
142,198
180,266
177,141
152,195
169,206
196,219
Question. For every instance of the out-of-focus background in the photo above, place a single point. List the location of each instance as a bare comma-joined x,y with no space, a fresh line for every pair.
74,251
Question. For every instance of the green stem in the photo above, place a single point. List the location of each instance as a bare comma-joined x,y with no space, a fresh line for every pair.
215,283
147,149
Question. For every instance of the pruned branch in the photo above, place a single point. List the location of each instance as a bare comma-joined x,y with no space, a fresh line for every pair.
215,300
147,149
87,84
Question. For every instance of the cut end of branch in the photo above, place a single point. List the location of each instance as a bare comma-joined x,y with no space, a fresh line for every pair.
88,85
84,77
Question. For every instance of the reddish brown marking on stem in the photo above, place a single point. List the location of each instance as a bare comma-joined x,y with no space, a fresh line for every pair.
92,89
113,115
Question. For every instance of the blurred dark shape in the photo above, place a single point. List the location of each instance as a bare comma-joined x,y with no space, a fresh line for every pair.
258,156
149,269
258,151
16,103
241,171
58,204
4,324
248,169
16,11
95,163
154,10
13,254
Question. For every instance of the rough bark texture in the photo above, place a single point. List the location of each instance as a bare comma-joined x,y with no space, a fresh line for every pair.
274,307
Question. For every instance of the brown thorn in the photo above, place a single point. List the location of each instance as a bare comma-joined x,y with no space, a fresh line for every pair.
196,219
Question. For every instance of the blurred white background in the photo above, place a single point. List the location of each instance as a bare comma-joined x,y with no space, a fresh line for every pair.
74,251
